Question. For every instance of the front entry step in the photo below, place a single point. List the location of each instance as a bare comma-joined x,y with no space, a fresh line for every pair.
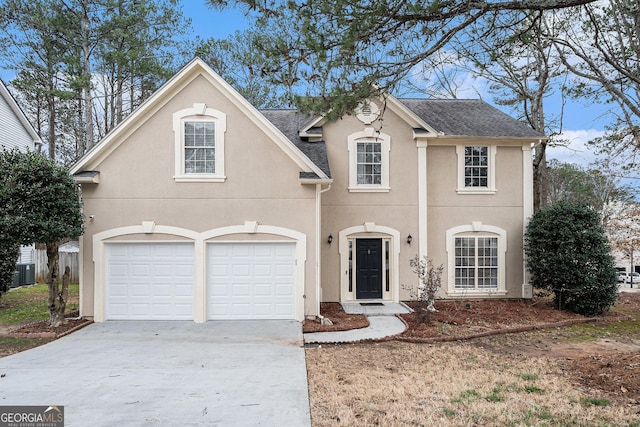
379,309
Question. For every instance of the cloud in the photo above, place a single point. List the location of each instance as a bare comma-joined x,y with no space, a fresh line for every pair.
576,150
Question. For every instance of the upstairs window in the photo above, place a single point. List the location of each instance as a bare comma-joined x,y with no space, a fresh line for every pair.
199,144
476,166
199,147
476,169
369,161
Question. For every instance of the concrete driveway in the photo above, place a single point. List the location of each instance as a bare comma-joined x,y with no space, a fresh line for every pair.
167,373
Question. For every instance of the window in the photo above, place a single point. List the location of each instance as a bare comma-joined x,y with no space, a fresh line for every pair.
476,166
369,161
476,259
199,144
476,169
476,263
199,147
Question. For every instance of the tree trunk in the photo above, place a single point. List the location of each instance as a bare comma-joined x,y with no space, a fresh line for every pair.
540,189
86,70
57,295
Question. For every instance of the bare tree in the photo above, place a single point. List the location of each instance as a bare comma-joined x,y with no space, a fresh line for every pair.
602,50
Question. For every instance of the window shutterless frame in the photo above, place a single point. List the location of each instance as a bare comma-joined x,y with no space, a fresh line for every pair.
476,169
369,161
199,144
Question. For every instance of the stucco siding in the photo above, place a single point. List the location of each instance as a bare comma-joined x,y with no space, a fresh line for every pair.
504,209
137,184
396,209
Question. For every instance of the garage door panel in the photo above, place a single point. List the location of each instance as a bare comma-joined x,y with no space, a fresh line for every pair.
241,270
162,270
184,271
138,290
263,309
119,290
283,290
261,270
241,310
251,280
239,251
283,309
261,290
149,281
219,290
161,290
241,290
184,290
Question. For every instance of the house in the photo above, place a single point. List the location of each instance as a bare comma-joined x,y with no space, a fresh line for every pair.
200,207
16,133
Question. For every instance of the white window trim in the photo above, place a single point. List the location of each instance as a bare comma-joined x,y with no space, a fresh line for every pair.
476,229
199,112
491,188
368,135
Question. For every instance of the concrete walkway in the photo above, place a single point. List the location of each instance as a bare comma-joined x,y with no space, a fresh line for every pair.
136,373
382,323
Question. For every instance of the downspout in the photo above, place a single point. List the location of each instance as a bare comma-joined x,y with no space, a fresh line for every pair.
319,191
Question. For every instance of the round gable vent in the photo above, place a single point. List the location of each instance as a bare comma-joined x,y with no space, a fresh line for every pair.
367,112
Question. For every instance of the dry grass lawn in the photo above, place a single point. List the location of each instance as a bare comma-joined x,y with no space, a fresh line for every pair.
581,375
450,384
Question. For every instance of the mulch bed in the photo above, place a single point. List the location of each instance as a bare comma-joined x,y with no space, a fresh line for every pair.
43,330
457,319
462,319
341,320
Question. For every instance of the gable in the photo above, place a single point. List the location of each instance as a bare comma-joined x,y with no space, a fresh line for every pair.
196,69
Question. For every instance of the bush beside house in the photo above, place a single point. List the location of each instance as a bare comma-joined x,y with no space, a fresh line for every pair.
568,254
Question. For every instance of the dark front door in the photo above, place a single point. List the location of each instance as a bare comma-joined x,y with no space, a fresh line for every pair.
369,268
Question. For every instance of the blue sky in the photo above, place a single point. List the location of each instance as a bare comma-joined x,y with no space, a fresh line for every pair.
208,22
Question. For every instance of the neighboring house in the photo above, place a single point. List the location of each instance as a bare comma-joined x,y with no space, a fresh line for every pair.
16,133
15,129
201,207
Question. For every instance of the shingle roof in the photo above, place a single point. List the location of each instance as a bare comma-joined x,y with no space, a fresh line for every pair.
468,117
290,122
451,117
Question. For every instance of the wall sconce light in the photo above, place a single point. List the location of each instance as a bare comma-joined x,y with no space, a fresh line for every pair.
409,239
329,239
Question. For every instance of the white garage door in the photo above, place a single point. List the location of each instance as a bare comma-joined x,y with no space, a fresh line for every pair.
251,281
149,281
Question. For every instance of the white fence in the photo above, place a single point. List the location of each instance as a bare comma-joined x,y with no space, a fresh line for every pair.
65,259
